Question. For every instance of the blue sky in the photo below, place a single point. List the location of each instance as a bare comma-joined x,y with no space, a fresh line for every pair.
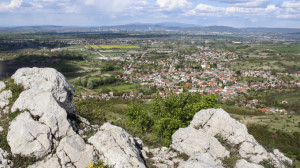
235,13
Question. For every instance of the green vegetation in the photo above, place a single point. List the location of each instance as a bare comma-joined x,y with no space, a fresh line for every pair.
167,115
288,143
229,162
241,111
153,122
22,162
15,89
93,82
98,164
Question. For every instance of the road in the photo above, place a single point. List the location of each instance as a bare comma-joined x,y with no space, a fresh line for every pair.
173,61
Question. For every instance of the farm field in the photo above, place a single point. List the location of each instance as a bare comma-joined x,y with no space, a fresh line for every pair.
106,47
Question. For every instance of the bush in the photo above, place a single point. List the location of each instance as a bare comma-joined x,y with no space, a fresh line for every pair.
98,164
167,115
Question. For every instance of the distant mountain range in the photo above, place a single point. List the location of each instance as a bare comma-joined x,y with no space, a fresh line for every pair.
164,26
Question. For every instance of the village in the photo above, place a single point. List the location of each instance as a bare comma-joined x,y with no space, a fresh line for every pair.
204,71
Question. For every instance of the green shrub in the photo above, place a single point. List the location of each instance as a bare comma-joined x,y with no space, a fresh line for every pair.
167,115
98,164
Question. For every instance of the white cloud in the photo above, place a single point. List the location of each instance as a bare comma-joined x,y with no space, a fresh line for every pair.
253,3
209,10
246,3
173,4
291,4
113,6
11,5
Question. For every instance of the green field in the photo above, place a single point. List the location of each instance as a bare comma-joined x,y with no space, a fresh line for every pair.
108,47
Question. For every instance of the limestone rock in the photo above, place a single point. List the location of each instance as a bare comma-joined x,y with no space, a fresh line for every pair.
254,151
218,122
201,161
194,142
49,162
244,164
4,162
116,147
2,86
4,96
72,150
44,106
28,137
47,79
1,129
164,157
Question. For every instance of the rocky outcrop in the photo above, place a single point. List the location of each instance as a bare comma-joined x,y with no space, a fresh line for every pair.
43,130
43,106
116,147
218,122
47,80
195,142
72,150
46,96
28,137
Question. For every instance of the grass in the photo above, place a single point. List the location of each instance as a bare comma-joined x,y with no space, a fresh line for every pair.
241,110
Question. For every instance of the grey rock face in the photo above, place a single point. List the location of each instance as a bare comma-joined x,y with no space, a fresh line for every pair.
116,147
194,142
218,122
28,137
73,150
50,80
44,106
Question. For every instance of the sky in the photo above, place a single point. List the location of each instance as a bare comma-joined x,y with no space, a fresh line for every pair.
234,13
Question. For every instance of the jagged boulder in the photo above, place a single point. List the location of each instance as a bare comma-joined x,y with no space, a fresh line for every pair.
43,106
72,150
218,122
47,79
116,147
194,142
28,137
